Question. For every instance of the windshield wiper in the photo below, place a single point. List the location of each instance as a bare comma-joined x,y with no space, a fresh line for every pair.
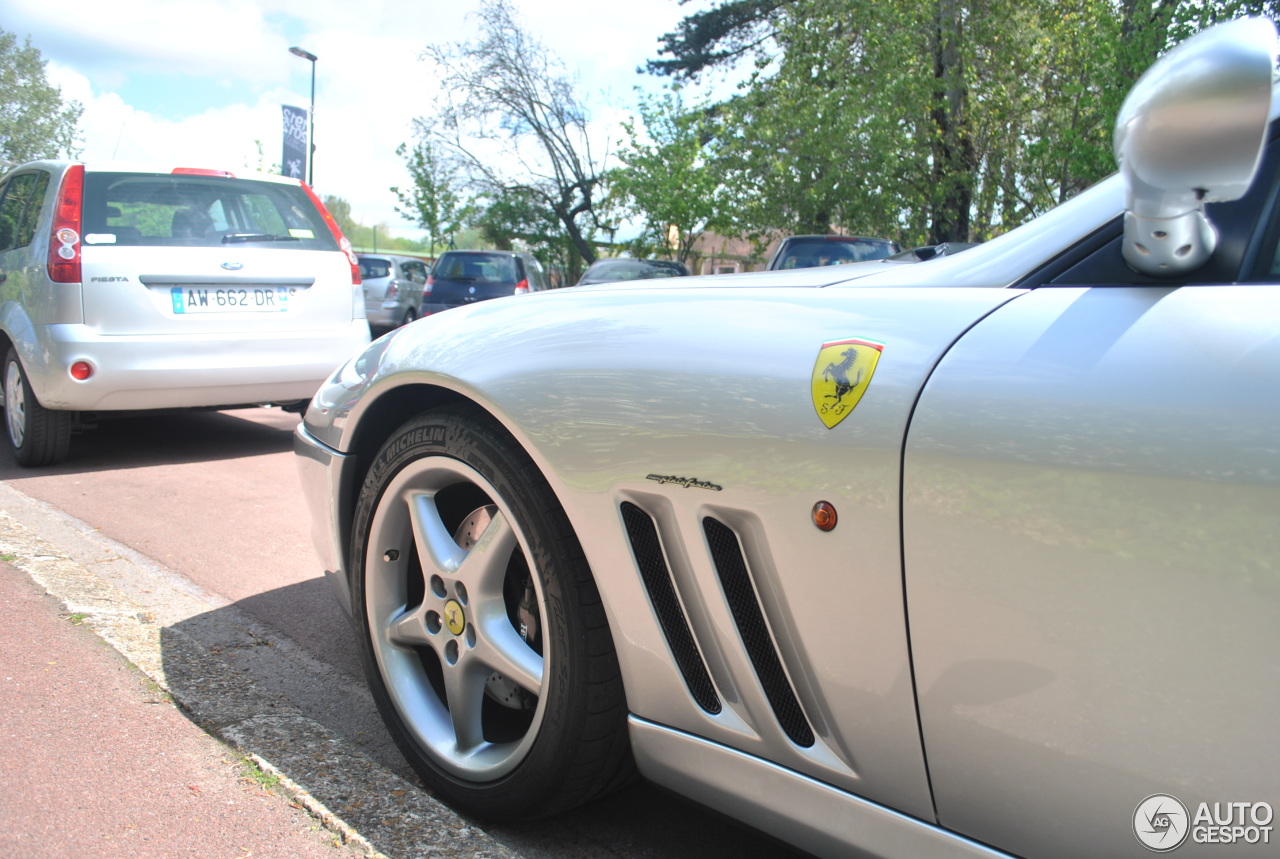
234,238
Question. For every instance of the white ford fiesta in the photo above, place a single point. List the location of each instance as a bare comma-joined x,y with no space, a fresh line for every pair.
130,288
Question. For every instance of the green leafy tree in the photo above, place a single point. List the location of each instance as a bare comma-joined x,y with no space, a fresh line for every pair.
668,176
34,120
434,201
509,113
928,122
728,33
516,216
341,211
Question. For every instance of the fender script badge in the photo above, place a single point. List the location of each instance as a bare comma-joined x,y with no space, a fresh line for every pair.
841,376
686,482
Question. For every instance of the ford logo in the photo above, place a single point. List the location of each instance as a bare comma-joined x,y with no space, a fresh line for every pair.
233,266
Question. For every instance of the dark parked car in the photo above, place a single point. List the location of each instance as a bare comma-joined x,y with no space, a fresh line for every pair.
465,277
813,251
608,270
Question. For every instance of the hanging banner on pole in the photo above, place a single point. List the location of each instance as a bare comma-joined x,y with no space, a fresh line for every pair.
294,160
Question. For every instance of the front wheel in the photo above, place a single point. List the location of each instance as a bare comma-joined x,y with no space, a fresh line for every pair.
37,436
480,627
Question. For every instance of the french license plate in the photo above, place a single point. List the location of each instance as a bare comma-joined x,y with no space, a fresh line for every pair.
239,299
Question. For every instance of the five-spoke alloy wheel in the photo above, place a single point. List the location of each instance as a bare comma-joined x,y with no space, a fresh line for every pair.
481,628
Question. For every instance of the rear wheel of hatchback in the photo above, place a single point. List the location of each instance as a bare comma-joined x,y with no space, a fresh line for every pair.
37,436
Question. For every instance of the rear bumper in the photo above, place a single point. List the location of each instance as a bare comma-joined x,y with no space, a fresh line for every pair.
167,371
429,307
385,315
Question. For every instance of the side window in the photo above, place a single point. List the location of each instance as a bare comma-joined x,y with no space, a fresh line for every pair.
8,223
23,196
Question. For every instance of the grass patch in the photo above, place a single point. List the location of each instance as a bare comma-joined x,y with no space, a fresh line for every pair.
254,773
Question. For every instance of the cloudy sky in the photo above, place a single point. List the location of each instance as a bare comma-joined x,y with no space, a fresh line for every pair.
200,82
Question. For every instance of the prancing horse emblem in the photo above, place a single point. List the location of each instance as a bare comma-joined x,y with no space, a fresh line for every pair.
454,619
841,375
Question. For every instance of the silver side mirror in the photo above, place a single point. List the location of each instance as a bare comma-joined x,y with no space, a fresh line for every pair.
1189,133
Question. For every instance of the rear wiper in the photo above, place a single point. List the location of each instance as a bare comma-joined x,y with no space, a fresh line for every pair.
234,238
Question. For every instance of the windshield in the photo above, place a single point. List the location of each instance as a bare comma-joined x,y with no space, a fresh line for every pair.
818,251
626,269
184,210
477,268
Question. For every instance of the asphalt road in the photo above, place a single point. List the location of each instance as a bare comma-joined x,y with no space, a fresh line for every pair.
213,499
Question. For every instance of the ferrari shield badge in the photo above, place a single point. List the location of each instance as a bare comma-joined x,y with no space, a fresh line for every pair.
841,375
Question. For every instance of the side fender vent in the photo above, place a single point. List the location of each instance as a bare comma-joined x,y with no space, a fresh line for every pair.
662,594
741,596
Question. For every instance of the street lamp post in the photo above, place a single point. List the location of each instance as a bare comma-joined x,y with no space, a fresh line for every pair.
311,135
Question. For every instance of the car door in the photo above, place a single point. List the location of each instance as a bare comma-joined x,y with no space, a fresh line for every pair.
413,276
1091,492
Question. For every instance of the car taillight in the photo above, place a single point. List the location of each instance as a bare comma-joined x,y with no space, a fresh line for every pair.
431,281
392,290
337,234
64,242
522,288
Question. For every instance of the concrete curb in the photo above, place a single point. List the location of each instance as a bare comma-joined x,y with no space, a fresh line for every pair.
136,605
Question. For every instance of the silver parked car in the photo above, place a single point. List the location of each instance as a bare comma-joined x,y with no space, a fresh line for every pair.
128,288
972,556
392,289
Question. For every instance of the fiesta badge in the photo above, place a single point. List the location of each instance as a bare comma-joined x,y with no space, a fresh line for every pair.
841,375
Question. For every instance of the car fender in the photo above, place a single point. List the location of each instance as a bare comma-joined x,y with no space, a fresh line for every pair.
21,332
571,376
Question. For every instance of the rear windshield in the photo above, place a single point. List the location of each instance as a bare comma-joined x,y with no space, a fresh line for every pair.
622,269
477,268
160,209
371,267
808,253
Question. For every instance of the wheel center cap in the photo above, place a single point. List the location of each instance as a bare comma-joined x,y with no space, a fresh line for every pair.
454,619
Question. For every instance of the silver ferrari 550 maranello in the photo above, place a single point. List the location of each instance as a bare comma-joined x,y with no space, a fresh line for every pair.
968,557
